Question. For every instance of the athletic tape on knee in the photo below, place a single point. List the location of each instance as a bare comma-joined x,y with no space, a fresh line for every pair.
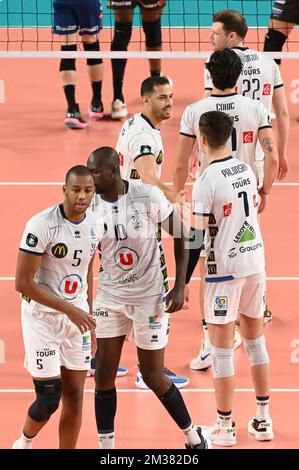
257,351
274,41
92,46
153,34
222,362
122,36
48,394
68,64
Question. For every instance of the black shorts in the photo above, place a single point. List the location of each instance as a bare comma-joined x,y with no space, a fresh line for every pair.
143,4
288,11
85,17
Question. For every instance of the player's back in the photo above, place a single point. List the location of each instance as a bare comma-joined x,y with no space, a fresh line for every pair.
227,192
248,116
138,138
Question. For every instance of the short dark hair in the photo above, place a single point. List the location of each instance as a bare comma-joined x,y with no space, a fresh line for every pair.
233,22
216,127
225,68
78,170
148,85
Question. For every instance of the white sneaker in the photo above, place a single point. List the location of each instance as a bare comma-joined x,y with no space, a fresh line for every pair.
20,444
118,110
224,436
204,359
261,429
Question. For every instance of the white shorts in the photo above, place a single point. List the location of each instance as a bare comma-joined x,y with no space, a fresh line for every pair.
223,300
148,323
51,340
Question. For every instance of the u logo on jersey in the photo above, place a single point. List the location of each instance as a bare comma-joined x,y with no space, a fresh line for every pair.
70,286
126,258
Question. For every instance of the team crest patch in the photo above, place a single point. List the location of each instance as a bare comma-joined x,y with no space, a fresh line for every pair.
59,250
145,150
31,240
220,306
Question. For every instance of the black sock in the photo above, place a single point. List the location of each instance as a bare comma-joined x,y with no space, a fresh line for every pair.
96,93
118,69
155,73
69,91
105,409
173,401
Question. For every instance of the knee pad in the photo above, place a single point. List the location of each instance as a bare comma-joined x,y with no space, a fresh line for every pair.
48,394
274,41
92,46
222,362
68,64
153,33
122,36
257,351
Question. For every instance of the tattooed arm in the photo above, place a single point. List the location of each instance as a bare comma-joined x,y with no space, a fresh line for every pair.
270,165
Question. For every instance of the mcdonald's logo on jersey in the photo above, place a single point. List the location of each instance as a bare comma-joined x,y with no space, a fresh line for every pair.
70,286
134,175
59,250
126,258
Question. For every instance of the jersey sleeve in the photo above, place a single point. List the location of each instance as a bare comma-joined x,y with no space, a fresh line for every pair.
34,239
264,117
141,145
160,207
202,196
277,76
186,125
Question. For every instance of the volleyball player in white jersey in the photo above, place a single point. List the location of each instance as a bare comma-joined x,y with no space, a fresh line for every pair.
132,291
251,124
234,276
54,276
141,154
260,78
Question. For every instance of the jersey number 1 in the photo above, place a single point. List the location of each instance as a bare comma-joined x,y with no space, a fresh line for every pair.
243,194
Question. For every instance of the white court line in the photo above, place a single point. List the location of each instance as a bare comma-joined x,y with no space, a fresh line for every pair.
192,279
184,390
55,183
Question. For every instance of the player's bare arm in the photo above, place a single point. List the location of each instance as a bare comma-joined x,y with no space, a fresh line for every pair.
283,124
175,298
181,164
27,267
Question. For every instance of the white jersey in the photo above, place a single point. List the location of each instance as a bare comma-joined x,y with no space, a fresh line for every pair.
227,193
138,138
66,249
259,77
133,269
248,116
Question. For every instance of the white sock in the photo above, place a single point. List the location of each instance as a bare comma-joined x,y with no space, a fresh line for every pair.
262,407
26,441
224,417
191,435
106,441
206,335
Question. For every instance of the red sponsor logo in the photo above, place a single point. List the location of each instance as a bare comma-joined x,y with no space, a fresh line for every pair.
247,137
126,259
255,200
227,209
236,89
267,89
121,159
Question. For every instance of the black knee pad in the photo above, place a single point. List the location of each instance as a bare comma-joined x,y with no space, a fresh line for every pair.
68,64
48,394
122,36
92,46
153,33
274,41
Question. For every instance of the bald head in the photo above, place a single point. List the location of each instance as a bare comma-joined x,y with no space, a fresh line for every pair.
104,158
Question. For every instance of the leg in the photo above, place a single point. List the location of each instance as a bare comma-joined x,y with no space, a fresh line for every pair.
278,33
122,34
107,361
151,23
71,413
48,393
95,72
151,366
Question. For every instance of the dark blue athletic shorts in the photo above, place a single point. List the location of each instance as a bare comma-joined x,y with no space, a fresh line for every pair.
71,16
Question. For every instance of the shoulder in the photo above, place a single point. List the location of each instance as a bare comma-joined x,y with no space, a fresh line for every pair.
45,217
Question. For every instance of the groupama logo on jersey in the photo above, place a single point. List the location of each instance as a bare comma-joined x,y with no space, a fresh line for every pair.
126,258
70,286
